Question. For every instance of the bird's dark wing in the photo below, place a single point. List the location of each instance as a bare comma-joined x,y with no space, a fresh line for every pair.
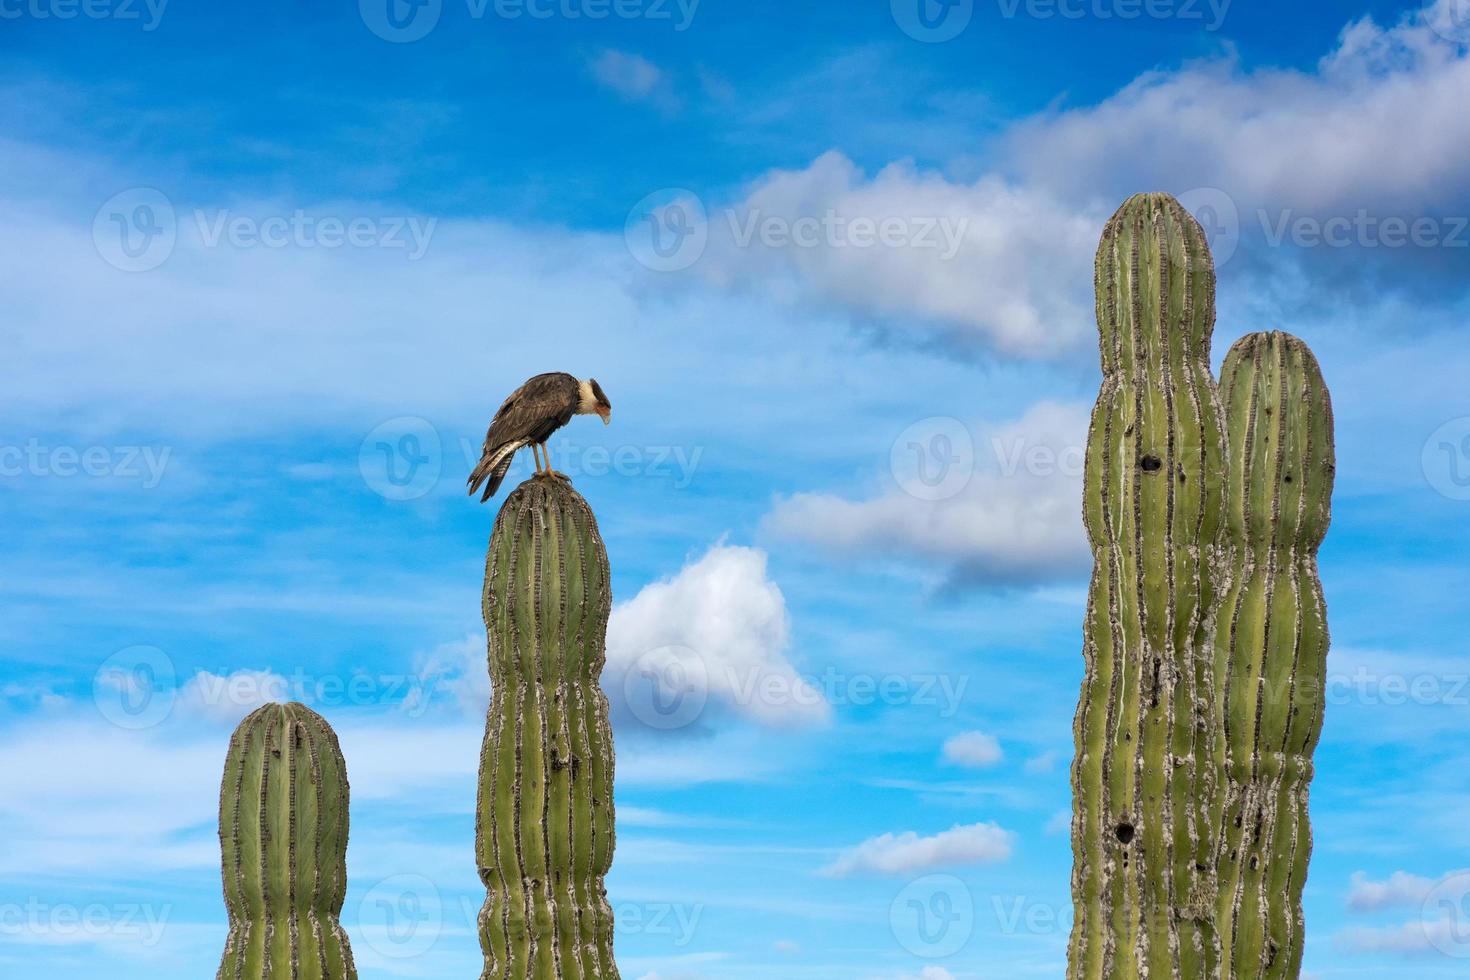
527,411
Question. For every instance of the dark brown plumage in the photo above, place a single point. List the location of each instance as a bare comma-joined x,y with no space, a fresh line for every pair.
528,418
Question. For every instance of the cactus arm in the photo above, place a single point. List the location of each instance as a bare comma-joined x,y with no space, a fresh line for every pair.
1273,643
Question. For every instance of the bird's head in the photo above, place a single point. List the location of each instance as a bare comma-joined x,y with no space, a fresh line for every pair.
594,401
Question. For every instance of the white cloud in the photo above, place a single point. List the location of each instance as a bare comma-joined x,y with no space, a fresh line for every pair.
1379,124
160,797
1399,890
906,853
1017,518
229,698
459,669
1041,764
710,639
982,261
40,695
974,749
1438,929
1412,938
631,76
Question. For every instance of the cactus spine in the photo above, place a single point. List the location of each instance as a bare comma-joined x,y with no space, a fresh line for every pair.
1148,739
546,835
283,840
1272,646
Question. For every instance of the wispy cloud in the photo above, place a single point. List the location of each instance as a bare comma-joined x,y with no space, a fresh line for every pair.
907,853
997,508
633,77
976,750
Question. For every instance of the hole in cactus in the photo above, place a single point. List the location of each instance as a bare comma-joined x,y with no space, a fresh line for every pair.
1151,464
1125,833
1288,478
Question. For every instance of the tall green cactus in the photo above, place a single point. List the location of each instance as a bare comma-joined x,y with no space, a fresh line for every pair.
1272,647
1148,739
283,840
546,831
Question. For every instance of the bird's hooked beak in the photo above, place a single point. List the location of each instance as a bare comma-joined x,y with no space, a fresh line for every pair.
606,415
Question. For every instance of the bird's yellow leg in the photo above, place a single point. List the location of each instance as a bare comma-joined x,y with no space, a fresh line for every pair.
547,450
537,457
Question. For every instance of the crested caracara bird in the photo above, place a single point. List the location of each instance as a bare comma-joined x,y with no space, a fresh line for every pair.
528,418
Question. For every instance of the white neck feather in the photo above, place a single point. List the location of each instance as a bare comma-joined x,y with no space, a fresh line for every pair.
586,401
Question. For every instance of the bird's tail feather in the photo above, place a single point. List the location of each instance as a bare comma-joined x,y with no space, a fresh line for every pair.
493,467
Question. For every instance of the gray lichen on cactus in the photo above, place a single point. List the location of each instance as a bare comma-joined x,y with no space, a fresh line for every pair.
1148,741
546,830
1272,647
283,826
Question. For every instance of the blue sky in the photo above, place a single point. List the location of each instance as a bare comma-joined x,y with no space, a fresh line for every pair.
271,268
